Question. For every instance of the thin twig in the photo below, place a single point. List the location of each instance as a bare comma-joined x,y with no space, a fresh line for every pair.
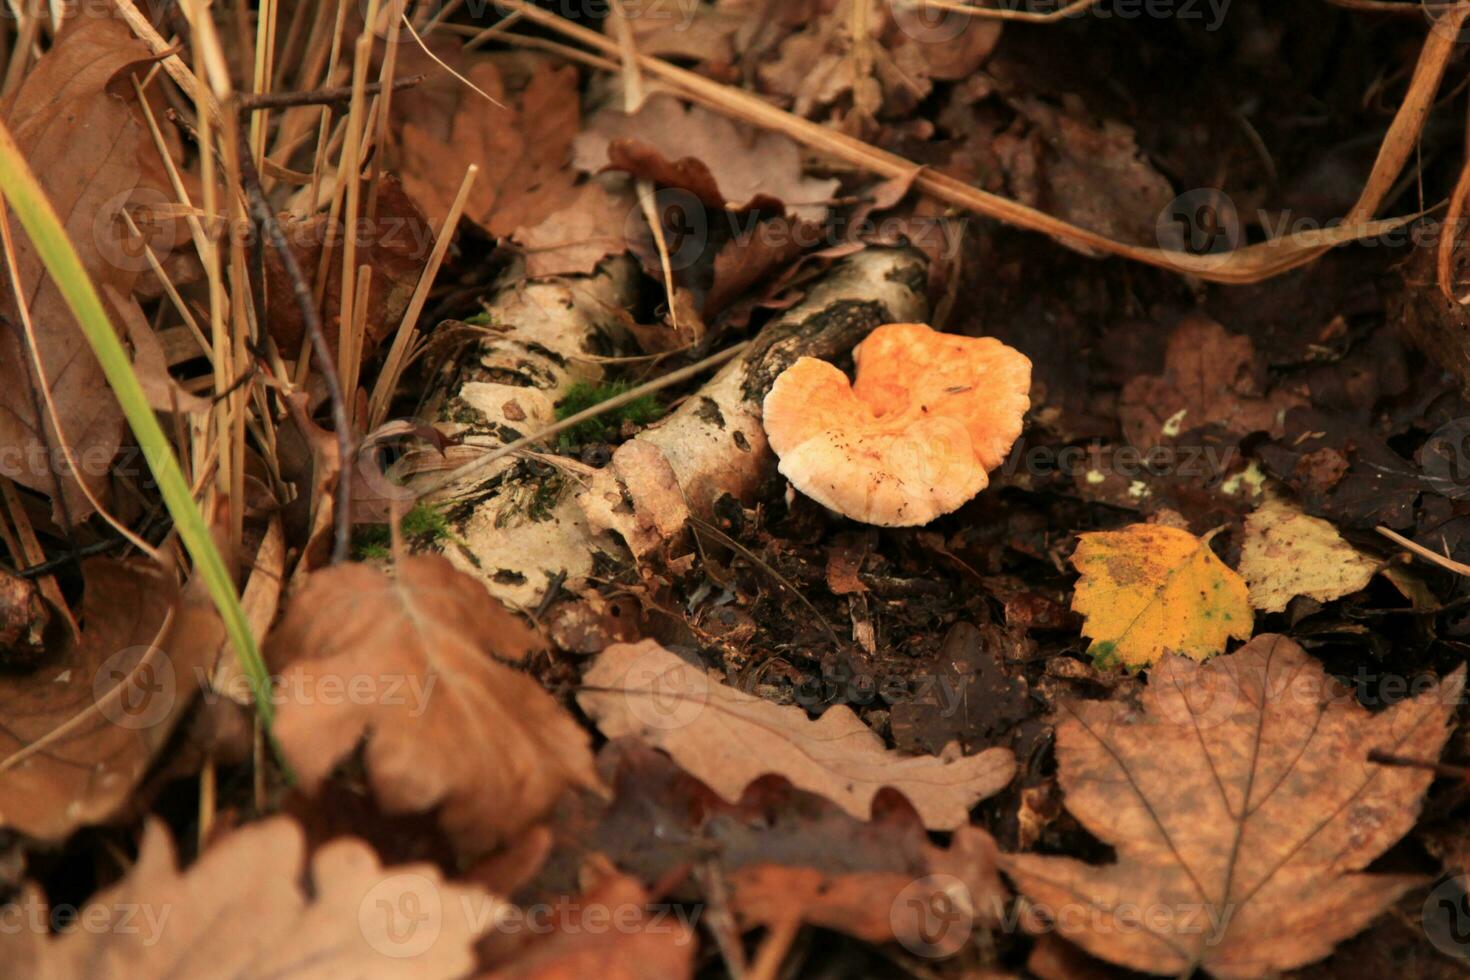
335,95
1448,564
1074,9
1408,762
266,218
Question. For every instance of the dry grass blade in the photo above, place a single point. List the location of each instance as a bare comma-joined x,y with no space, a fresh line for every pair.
1448,564
1072,9
1252,263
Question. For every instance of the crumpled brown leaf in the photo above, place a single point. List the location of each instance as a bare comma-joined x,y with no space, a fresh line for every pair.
119,707
719,161
411,665
783,852
728,738
965,694
523,151
243,911
888,70
1210,376
1346,471
76,96
1243,808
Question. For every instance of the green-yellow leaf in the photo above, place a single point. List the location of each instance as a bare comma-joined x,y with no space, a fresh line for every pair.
1148,590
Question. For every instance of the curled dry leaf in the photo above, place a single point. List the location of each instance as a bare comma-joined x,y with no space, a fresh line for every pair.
407,664
1288,553
728,738
242,911
720,162
914,437
81,728
1088,172
886,70
1242,805
1148,590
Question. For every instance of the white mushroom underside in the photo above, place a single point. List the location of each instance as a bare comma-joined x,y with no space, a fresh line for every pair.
885,479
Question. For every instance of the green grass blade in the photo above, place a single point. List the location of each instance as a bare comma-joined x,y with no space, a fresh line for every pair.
49,238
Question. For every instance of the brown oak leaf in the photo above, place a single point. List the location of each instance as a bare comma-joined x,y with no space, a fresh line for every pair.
574,240
76,96
523,150
1210,376
728,738
717,160
1242,806
410,664
243,911
785,853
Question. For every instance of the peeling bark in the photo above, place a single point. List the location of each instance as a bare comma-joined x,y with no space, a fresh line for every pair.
536,521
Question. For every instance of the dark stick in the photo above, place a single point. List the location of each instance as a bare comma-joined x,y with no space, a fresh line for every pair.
1438,768
266,219
251,102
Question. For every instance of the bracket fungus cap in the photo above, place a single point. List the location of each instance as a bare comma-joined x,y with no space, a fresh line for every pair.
916,434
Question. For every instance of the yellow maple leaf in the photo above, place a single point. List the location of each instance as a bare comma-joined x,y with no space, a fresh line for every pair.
1149,589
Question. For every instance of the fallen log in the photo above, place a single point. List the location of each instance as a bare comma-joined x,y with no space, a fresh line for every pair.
531,520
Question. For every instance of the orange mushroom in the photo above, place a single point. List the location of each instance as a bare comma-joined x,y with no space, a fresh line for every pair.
914,437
